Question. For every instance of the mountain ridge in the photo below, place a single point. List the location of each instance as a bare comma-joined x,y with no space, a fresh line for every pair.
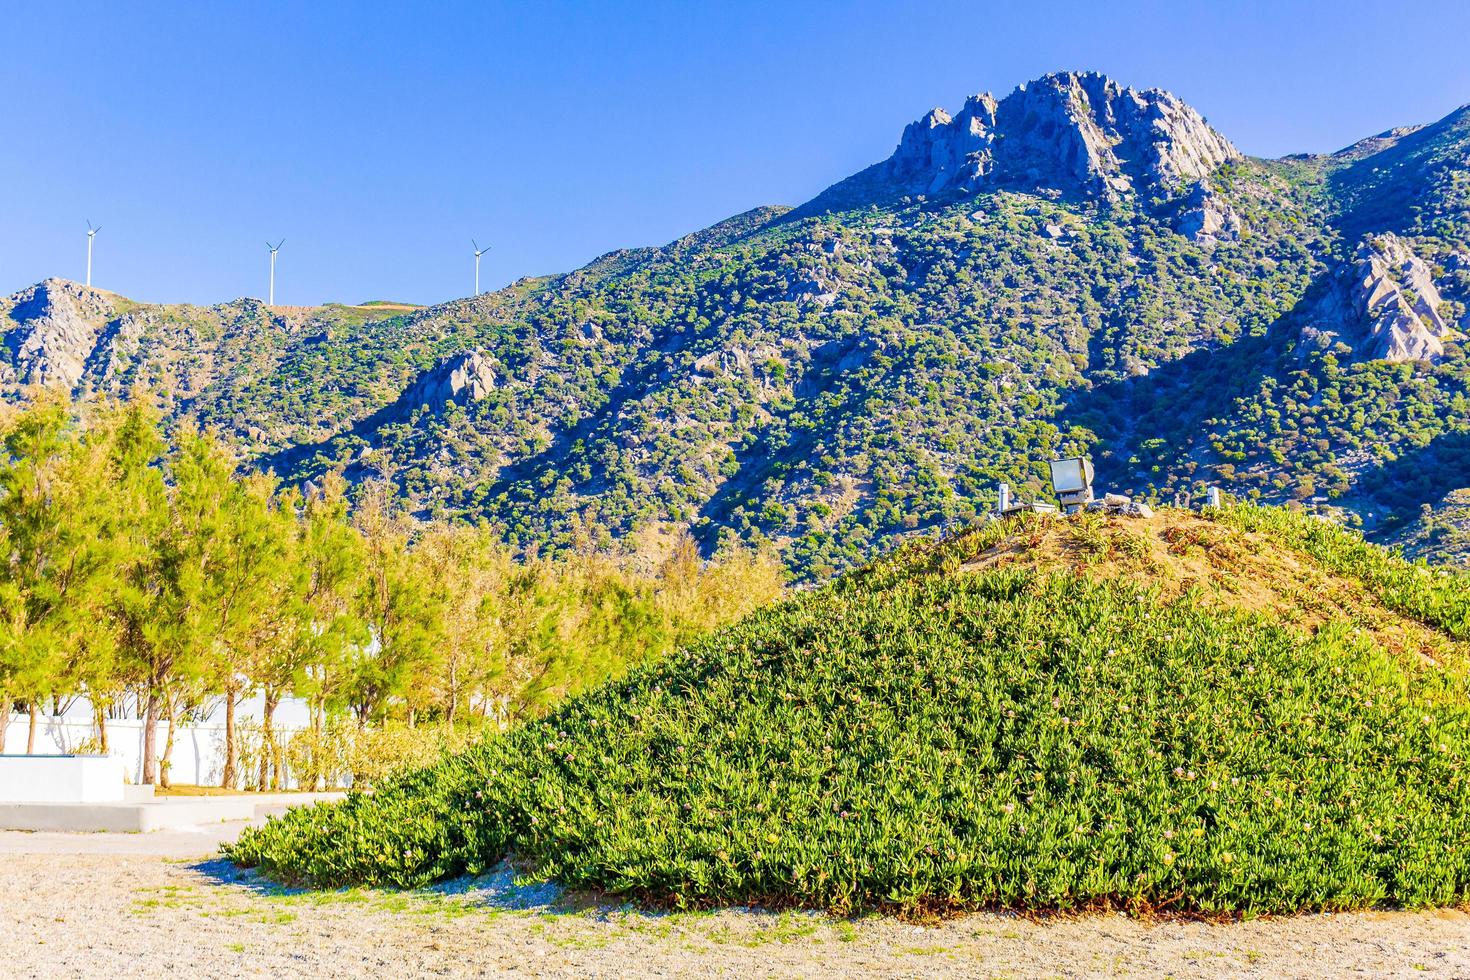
835,377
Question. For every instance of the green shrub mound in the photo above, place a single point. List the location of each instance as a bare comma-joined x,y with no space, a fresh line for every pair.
922,738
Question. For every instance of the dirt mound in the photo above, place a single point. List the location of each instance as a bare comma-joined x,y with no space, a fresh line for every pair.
1179,551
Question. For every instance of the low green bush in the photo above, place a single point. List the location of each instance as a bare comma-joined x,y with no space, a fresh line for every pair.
917,739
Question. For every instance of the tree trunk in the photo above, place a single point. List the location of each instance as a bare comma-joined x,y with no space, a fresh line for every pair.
4,719
31,729
231,777
99,719
318,724
168,748
269,771
150,737
453,692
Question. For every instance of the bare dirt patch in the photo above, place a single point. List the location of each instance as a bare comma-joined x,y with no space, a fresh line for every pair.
1179,551
136,914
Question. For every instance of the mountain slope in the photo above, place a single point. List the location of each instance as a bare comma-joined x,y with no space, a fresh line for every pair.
1442,533
1077,267
1041,713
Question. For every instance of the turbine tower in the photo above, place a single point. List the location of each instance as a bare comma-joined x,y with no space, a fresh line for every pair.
478,252
274,249
91,234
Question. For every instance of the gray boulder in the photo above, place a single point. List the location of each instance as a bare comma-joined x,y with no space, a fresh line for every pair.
459,378
1396,299
1206,217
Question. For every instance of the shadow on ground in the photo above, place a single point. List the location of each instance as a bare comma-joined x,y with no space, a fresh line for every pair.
503,889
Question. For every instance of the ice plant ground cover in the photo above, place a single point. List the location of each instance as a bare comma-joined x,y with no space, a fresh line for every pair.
1249,712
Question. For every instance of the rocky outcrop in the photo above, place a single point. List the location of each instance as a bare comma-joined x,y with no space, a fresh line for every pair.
940,152
1076,132
728,361
1385,305
1087,130
459,378
116,344
813,290
1395,296
55,327
1206,217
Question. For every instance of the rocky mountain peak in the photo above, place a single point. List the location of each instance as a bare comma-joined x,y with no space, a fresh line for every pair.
1374,144
54,327
1086,127
1076,132
942,151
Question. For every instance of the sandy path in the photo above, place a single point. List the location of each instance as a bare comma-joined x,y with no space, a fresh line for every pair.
100,905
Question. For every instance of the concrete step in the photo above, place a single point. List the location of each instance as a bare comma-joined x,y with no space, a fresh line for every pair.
157,813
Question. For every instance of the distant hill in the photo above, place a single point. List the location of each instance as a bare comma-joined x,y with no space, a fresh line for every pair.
1075,267
1250,711
1442,533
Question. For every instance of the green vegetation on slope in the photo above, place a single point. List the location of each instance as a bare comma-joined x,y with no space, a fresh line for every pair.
1041,714
1436,598
835,382
1443,530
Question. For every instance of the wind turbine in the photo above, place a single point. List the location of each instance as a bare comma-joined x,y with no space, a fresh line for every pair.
274,249
478,252
91,234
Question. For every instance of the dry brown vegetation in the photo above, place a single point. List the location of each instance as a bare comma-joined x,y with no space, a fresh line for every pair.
1178,551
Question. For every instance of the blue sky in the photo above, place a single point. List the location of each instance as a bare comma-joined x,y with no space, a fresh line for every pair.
377,139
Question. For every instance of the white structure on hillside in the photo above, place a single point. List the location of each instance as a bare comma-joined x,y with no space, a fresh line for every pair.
271,295
478,252
1072,481
91,235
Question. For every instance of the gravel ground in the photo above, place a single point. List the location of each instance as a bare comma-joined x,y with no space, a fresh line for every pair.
153,905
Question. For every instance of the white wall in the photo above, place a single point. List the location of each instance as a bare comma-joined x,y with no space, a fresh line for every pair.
198,755
81,779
